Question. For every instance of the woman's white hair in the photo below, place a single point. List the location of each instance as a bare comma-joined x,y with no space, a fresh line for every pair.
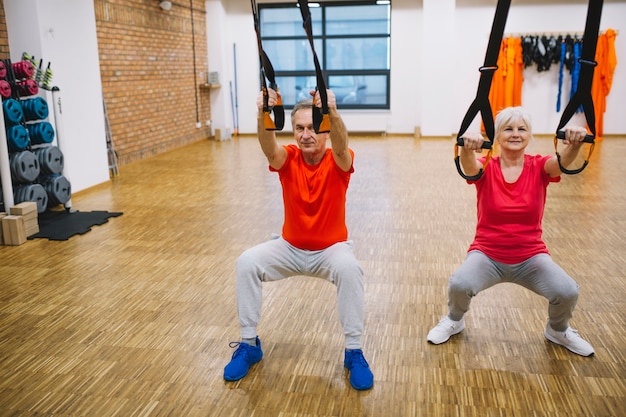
507,115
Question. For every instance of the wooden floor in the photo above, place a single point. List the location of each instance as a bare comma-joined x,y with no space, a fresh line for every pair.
134,317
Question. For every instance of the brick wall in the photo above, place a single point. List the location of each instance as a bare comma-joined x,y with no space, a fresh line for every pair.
147,71
4,37
148,78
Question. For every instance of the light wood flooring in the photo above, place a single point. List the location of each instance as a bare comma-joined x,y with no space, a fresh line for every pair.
134,318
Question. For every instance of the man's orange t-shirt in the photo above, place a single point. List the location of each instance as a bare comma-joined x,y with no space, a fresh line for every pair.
314,198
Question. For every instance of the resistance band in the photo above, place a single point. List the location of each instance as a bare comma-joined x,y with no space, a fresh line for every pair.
321,118
481,102
582,96
267,71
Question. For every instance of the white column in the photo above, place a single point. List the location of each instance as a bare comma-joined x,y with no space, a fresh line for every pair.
218,52
5,169
438,68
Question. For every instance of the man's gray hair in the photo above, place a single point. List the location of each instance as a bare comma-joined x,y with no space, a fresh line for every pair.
307,103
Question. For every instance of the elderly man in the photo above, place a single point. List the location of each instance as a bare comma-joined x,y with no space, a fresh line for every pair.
314,240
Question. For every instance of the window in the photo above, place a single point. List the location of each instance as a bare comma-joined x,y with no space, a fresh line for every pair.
352,42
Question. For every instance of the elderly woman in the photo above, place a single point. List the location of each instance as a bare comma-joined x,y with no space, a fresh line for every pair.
508,246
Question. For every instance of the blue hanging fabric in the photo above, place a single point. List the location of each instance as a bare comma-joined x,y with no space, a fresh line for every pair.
575,68
561,64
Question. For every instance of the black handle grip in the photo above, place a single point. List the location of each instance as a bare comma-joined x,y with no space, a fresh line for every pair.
588,138
486,144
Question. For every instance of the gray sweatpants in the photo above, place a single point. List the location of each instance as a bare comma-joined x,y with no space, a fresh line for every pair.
539,274
276,259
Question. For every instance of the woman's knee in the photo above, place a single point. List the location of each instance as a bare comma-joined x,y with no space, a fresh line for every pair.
568,291
459,284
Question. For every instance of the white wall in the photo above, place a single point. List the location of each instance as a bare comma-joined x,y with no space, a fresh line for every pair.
539,92
434,90
63,32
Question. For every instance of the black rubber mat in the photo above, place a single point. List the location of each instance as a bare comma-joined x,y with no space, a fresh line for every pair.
61,225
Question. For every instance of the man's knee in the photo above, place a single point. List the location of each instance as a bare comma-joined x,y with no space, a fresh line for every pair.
247,261
348,271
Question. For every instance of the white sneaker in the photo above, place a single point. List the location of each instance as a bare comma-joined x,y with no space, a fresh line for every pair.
569,339
444,329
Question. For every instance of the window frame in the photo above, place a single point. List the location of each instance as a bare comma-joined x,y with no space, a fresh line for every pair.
323,38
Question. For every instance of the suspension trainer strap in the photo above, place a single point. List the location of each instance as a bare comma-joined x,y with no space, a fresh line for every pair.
321,118
481,102
582,96
267,71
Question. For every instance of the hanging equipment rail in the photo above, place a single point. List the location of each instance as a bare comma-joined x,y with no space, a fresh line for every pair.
321,118
561,33
481,102
267,71
582,96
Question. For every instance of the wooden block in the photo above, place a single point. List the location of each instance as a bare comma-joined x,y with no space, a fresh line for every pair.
23,209
2,214
13,230
222,134
6,231
32,230
30,222
31,216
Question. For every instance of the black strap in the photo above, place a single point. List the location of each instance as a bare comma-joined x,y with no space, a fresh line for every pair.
481,102
582,96
321,118
267,71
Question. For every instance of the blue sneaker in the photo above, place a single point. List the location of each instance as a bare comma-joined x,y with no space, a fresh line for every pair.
245,356
361,378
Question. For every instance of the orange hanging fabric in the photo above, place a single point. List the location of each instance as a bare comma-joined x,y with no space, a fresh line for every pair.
506,89
518,76
603,76
515,77
497,91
